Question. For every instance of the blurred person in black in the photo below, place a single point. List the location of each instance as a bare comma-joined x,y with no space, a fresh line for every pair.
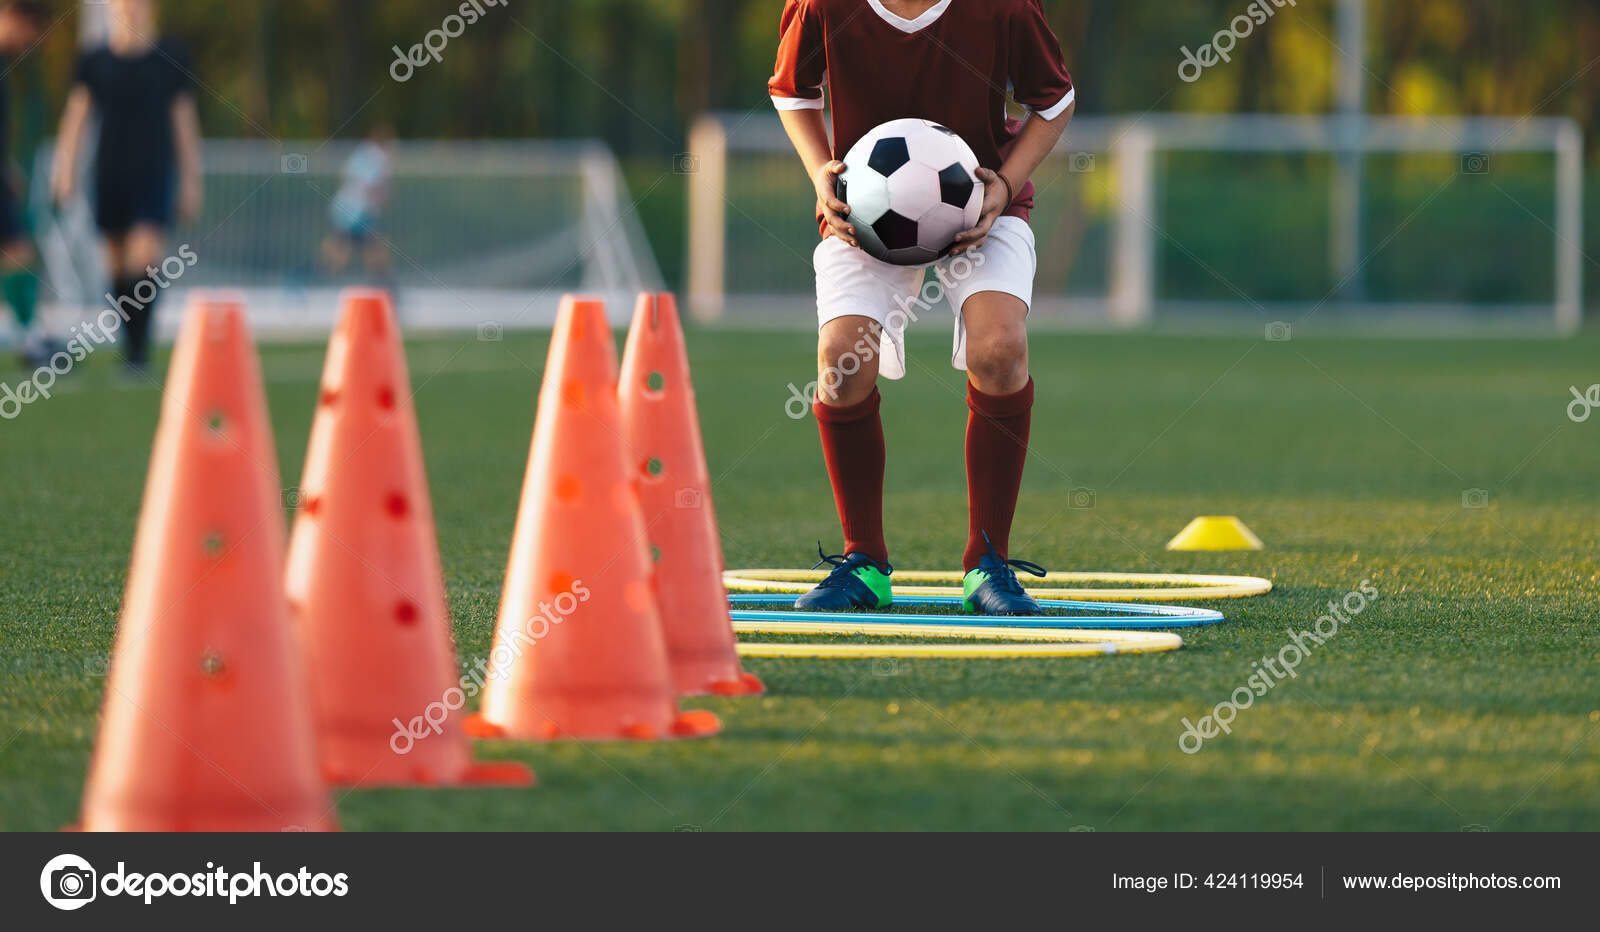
147,162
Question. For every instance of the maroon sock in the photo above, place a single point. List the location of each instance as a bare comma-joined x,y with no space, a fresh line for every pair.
997,448
852,445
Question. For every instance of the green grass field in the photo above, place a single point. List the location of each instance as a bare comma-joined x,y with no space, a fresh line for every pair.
1466,695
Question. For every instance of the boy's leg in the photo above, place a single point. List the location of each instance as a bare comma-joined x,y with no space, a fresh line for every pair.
1000,403
856,301
846,409
20,288
141,251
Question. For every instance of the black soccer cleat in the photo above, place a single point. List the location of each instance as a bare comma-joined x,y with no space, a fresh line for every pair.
993,589
857,581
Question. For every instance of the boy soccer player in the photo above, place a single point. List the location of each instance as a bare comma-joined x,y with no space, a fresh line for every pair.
22,22
147,161
357,208
953,62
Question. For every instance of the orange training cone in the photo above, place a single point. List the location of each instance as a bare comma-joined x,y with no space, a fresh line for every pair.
663,434
206,725
365,584
579,651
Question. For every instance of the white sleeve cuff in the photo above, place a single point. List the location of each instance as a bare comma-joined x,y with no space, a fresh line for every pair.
1060,106
797,103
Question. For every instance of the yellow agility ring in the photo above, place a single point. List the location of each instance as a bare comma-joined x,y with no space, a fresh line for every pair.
1057,642
1153,587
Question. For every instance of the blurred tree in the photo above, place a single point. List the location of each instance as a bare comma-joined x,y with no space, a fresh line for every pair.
635,71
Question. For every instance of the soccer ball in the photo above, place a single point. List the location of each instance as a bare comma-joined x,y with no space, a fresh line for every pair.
912,185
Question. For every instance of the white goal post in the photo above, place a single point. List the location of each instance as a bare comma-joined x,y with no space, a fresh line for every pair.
739,158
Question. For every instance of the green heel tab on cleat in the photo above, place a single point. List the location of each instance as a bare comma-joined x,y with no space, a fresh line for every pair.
969,585
877,581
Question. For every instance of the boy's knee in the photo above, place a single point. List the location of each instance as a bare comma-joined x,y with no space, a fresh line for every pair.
847,367
999,362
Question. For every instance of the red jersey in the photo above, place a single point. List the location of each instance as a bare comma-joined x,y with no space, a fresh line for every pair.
954,65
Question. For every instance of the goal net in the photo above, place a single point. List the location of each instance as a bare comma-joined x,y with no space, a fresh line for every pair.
474,234
1450,225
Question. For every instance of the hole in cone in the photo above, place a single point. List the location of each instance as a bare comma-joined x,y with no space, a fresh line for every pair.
568,488
386,398
396,505
406,613
328,397
312,504
213,544
572,393
211,664
652,468
655,382
655,554
216,421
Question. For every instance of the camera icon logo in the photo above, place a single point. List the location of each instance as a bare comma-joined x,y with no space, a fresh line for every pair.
685,163
1475,163
1080,162
1475,498
491,331
295,163
1080,498
1279,331
67,882
687,497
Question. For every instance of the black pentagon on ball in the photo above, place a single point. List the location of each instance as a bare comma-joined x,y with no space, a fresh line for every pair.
888,155
839,187
895,231
955,185
943,129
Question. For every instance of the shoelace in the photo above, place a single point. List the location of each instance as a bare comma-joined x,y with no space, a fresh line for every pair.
842,569
1003,576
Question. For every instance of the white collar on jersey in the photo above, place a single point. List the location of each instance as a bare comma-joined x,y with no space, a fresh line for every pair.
909,25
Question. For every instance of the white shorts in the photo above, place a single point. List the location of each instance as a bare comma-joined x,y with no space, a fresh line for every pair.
850,282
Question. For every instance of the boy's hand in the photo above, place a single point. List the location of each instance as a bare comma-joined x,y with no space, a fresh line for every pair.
996,198
833,210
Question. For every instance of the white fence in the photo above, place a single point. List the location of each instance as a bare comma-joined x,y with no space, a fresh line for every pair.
1106,218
